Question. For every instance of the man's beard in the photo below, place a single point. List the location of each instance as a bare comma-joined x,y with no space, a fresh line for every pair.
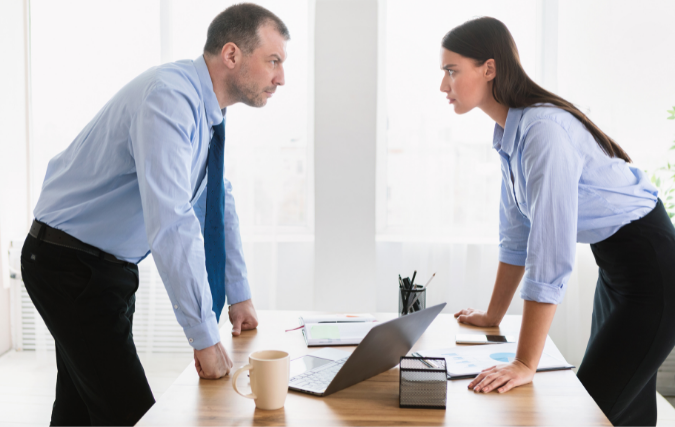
247,92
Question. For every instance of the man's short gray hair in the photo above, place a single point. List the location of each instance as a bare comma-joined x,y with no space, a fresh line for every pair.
239,24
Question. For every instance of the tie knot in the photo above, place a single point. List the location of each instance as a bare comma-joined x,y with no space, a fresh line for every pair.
219,130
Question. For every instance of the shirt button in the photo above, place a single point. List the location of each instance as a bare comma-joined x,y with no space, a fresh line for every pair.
190,340
176,307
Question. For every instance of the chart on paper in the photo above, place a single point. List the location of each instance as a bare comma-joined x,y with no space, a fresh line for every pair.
464,361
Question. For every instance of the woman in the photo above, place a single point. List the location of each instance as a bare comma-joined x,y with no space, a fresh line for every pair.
564,181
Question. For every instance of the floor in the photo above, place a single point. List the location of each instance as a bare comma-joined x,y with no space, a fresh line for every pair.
27,381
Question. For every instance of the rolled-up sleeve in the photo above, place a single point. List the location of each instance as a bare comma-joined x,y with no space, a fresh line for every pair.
161,137
552,169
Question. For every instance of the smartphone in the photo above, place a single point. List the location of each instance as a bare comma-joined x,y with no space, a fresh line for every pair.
483,339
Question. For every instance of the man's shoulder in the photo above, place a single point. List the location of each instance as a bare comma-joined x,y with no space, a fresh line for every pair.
179,76
175,79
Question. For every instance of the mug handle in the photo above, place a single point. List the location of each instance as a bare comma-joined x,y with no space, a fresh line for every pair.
234,381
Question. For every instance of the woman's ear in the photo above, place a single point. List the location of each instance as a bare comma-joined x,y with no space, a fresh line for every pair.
490,70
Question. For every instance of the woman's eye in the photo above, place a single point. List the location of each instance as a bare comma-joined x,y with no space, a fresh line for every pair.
451,72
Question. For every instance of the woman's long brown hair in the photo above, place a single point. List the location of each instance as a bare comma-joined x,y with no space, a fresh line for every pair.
488,38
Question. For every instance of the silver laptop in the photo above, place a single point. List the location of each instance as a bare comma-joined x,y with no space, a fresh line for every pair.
330,370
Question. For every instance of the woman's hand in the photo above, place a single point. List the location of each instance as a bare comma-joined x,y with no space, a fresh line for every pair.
502,378
471,316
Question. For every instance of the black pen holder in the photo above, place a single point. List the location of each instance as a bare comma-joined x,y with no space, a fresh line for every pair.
410,301
423,383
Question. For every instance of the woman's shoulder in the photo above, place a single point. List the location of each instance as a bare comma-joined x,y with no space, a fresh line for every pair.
549,114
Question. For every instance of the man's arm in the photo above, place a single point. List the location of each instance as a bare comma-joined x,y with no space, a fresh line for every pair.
241,312
162,151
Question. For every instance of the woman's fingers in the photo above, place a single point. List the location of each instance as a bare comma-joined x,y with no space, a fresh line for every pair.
497,381
489,369
463,311
502,378
478,379
489,379
506,387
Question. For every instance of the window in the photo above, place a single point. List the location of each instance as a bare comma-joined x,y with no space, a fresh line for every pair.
439,176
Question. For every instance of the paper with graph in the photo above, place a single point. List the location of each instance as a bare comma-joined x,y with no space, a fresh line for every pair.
467,361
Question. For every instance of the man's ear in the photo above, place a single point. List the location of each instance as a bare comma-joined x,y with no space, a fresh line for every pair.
490,70
230,55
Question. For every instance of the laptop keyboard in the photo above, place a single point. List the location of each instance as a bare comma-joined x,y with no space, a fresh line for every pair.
318,379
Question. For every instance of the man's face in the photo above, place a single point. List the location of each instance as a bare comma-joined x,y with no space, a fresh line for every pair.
262,70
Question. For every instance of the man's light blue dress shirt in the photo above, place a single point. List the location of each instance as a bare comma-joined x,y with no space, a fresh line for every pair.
559,188
133,181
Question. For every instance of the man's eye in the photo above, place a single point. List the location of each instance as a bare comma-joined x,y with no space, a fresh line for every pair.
450,72
274,62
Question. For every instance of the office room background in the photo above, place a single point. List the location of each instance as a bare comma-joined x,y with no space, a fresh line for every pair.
358,170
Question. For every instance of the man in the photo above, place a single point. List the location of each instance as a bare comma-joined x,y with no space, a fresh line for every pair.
134,181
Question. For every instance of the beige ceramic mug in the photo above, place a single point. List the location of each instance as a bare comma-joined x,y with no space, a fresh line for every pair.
269,378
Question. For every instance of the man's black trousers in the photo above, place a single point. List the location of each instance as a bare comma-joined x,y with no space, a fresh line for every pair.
88,305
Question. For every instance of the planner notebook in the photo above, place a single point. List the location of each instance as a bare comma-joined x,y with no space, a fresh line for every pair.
336,330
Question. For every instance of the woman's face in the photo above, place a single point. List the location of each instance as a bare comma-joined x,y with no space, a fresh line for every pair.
467,86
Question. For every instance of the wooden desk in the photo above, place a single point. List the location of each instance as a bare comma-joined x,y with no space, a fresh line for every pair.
554,398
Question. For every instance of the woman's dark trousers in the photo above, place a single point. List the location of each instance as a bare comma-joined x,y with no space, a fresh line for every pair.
633,328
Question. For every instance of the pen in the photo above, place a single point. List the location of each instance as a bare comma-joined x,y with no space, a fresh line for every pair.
430,279
418,293
412,282
429,364
346,321
406,284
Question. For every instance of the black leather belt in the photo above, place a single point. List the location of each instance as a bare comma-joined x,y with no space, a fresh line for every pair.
45,233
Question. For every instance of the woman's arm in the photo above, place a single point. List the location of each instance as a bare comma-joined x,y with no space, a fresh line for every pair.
537,318
506,283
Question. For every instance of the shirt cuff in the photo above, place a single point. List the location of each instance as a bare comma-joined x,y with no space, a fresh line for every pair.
205,334
542,292
509,256
238,291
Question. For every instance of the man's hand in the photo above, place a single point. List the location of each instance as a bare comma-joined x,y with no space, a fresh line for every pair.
213,362
242,317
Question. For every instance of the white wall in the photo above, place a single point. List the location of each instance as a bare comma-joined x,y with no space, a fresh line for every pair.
13,173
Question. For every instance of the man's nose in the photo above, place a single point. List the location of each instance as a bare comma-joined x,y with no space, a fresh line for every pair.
279,78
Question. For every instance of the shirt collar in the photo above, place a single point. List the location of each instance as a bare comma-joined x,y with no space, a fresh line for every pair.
505,138
213,112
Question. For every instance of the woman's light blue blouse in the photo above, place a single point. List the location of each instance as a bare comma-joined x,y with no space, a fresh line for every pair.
559,188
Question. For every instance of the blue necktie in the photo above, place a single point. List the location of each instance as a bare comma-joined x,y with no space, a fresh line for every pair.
214,223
